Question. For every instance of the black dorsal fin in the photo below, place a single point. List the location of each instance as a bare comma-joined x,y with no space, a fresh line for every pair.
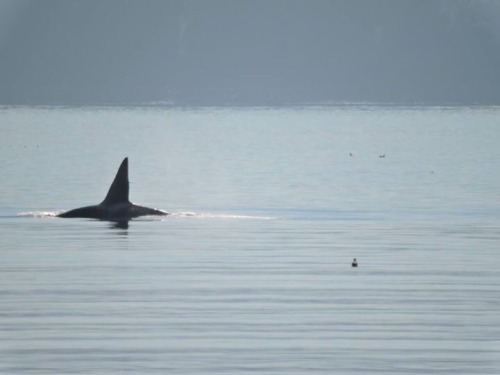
118,192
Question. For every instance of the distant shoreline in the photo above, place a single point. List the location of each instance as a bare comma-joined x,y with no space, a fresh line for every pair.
168,105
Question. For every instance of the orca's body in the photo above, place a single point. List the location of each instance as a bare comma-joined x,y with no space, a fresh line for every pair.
116,206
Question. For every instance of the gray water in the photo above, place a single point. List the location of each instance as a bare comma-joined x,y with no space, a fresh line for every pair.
251,272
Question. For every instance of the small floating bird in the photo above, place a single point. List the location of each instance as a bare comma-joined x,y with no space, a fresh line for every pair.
354,263
382,156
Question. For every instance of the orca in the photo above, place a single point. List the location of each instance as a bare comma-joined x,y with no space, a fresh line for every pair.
116,206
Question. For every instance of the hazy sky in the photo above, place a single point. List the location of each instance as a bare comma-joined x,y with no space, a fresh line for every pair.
240,52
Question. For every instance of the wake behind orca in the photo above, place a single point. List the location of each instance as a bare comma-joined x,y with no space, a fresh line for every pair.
116,206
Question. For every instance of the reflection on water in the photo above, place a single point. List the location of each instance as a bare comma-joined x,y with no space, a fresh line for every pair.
123,224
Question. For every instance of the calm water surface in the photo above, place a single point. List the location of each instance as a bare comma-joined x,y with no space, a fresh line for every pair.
251,272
